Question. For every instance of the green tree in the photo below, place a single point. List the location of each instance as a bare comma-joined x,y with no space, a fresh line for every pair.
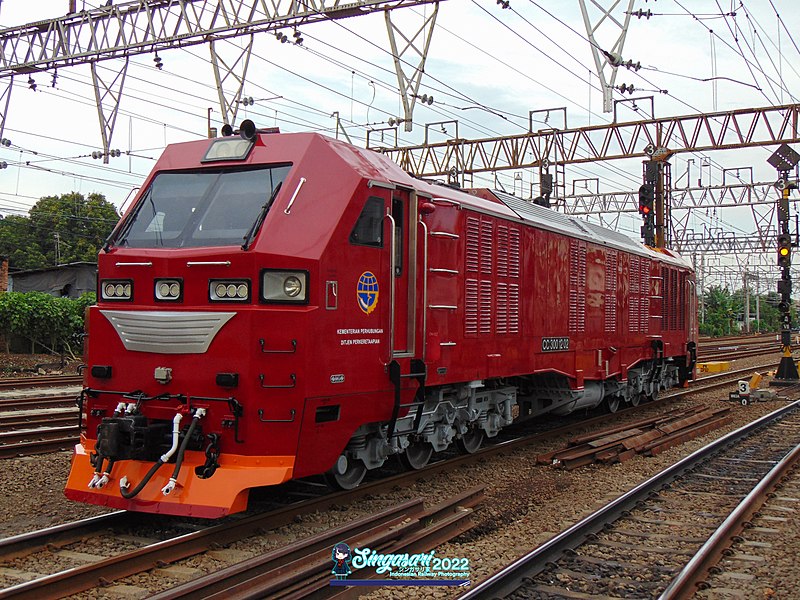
69,228
721,308
18,243
46,322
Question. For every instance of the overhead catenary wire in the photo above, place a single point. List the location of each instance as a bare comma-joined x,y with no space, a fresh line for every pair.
315,116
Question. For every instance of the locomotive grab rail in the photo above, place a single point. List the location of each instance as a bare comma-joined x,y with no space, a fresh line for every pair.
208,263
262,343
292,414
424,288
293,377
446,201
133,264
445,234
392,267
447,271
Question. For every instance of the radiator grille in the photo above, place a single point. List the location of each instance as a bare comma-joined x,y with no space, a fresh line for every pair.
165,332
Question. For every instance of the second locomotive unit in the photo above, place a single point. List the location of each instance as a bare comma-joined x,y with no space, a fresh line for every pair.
275,306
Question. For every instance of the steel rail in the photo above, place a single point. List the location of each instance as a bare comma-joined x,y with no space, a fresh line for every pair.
40,539
305,565
13,421
43,381
508,579
689,580
62,535
35,402
44,446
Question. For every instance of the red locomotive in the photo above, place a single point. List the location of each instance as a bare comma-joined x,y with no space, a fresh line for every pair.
275,306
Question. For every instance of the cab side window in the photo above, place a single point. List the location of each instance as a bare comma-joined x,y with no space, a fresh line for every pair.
368,230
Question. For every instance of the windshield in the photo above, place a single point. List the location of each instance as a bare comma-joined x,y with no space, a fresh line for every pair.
201,208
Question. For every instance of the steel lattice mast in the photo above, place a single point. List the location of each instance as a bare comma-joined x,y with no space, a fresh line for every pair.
149,26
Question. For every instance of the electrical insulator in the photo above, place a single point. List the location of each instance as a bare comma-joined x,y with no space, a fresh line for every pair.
157,60
3,165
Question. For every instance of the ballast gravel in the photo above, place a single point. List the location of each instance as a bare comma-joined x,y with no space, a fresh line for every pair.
525,505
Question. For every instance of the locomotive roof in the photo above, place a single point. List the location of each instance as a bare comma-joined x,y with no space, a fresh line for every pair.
574,227
508,206
378,169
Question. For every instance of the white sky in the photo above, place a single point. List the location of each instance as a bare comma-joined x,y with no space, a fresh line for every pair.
480,54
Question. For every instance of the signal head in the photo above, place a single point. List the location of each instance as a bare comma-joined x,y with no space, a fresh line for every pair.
784,250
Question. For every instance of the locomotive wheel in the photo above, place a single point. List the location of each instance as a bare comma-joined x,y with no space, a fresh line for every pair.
470,441
346,474
416,455
612,403
636,399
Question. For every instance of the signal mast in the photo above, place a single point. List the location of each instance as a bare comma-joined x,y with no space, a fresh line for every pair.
784,160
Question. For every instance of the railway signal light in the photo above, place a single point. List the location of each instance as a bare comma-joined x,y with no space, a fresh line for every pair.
784,250
647,210
646,197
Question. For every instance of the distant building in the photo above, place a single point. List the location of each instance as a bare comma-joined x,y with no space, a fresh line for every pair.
71,280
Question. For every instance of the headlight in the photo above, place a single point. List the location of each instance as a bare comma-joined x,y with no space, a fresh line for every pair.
284,286
292,286
116,289
228,290
168,289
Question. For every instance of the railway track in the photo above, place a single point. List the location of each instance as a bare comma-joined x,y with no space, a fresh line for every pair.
668,529
304,565
26,403
24,433
14,383
150,552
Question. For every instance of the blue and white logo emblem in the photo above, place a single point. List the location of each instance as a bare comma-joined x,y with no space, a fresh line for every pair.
367,292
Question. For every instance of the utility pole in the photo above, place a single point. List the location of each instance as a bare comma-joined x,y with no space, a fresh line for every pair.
746,303
784,160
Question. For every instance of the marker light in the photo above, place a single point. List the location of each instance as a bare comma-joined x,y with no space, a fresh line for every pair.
227,290
116,289
168,289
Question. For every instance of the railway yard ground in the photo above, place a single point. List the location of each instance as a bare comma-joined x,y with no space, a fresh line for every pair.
524,505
